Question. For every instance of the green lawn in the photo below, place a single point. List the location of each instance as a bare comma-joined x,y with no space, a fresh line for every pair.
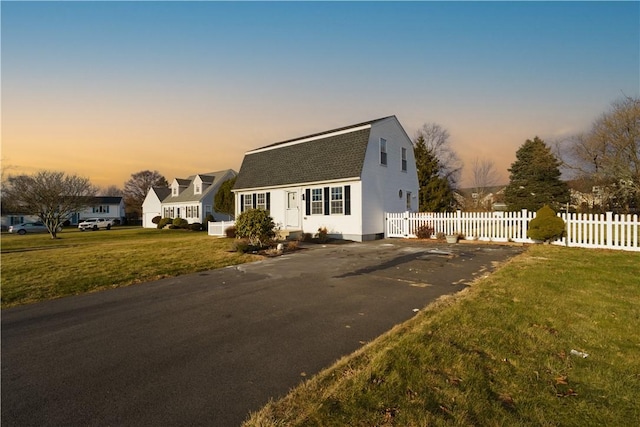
497,354
36,267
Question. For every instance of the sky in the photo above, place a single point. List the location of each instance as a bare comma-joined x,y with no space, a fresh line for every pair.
106,89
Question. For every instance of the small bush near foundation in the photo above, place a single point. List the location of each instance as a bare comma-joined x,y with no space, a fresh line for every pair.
196,226
209,218
322,235
256,225
546,226
163,222
156,219
180,223
242,246
425,231
230,232
306,237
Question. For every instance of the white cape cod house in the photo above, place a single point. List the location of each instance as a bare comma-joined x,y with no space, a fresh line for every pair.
343,180
191,198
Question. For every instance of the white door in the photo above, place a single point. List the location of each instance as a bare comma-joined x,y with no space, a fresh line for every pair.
293,212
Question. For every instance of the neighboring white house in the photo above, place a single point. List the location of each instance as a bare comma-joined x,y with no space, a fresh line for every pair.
152,205
102,207
343,179
191,198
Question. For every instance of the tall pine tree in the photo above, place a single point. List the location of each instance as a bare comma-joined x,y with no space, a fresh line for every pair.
534,179
435,193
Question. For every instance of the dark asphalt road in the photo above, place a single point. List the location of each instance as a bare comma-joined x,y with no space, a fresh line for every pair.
207,348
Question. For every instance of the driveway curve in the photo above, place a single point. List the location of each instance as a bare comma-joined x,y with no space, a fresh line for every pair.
208,348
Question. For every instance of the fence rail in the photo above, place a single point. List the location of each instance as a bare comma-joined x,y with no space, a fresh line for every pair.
606,231
219,228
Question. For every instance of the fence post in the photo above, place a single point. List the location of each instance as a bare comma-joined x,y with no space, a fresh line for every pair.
609,229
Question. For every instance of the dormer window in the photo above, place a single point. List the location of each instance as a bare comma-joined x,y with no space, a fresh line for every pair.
174,191
198,189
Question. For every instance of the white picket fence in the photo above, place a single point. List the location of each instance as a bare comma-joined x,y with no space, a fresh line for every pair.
219,228
606,231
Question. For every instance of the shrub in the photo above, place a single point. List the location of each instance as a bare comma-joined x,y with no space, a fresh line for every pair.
230,232
546,226
209,218
163,222
242,246
425,231
180,223
306,237
440,235
156,219
196,226
255,225
322,235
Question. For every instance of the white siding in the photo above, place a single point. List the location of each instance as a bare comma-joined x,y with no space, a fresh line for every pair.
381,185
151,207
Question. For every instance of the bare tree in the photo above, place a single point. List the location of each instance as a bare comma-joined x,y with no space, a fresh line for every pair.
484,177
436,139
52,196
111,191
609,155
137,187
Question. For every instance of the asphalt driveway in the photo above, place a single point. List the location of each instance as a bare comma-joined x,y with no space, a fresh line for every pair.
208,348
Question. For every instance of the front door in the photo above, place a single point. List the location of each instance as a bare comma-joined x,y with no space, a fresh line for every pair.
293,212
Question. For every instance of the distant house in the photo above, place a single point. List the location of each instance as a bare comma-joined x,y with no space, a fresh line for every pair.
190,198
101,207
343,180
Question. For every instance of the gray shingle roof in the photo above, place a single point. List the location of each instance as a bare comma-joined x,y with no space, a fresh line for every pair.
322,159
188,194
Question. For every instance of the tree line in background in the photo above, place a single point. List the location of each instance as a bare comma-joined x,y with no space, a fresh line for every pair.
603,164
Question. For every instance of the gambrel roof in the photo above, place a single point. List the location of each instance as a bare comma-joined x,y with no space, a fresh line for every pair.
330,155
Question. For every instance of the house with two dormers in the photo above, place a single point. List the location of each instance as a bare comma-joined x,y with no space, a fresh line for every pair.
343,180
189,198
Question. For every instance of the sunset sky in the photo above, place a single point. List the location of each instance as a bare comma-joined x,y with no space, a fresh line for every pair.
107,89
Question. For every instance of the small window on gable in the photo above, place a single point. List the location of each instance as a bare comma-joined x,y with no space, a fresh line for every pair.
404,159
383,151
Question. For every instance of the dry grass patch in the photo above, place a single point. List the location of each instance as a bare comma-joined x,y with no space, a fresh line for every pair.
36,268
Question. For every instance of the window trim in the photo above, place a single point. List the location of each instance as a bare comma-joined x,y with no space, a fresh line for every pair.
383,152
404,159
317,204
332,210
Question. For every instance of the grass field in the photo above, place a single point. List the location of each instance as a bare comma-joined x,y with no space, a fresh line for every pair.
36,267
497,354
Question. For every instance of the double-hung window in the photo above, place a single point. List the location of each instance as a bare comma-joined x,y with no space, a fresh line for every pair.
316,202
383,151
261,201
408,200
337,200
248,202
404,159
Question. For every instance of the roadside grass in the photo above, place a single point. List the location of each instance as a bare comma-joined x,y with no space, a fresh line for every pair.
36,267
499,353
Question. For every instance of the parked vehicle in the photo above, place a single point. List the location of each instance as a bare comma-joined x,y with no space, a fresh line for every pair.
95,224
30,227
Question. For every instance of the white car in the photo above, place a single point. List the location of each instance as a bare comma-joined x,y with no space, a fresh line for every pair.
95,224
30,227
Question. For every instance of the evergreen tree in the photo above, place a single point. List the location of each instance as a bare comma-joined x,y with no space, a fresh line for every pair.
224,201
435,193
534,179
